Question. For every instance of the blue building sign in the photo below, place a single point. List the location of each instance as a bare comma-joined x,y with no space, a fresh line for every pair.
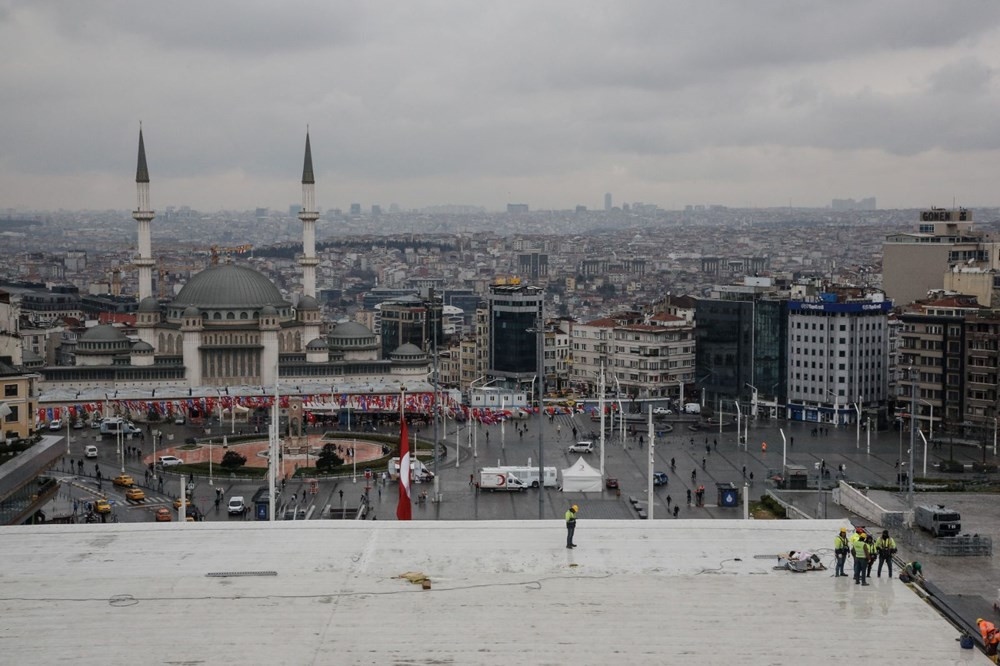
806,307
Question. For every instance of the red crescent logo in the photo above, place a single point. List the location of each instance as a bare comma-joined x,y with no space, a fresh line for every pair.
500,479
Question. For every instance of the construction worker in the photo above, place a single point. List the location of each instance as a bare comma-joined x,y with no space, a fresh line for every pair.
990,637
911,573
872,553
571,525
840,550
886,547
861,550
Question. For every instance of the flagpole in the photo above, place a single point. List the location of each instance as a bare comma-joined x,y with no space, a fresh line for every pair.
273,448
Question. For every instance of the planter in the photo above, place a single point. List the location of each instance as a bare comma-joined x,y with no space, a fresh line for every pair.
952,466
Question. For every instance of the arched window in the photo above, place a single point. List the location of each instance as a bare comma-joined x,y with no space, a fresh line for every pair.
243,315
217,316
230,315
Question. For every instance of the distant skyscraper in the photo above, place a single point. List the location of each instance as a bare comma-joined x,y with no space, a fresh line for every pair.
607,201
355,209
517,208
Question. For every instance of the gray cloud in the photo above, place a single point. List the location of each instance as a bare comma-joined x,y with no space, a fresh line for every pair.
448,101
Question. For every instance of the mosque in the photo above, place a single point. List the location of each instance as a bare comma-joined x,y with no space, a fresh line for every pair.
230,326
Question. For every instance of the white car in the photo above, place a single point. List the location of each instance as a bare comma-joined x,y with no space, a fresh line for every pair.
167,461
582,447
90,451
236,505
55,425
662,411
179,420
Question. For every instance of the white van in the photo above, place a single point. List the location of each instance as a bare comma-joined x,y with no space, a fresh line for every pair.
692,408
90,451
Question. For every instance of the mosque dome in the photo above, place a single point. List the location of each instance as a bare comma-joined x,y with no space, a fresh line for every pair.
225,286
308,303
103,333
149,304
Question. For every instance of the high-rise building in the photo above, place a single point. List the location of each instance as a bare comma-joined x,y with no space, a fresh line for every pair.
607,201
533,265
515,312
409,319
915,263
838,356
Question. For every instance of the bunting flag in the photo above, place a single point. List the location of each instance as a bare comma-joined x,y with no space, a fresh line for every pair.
404,511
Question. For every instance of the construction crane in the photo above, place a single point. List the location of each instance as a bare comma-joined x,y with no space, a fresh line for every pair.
215,250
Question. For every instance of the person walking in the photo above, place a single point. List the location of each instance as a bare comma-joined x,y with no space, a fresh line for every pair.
840,551
860,550
571,525
886,548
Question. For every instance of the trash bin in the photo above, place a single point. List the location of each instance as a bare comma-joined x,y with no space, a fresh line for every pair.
729,495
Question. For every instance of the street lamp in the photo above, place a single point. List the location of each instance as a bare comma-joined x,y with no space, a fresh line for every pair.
921,433
739,415
836,407
857,408
753,400
931,429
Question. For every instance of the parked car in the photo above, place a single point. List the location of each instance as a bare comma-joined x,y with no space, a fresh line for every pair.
236,505
295,514
95,423
135,494
659,478
77,425
163,515
581,447
610,483
662,411
55,425
90,451
123,480
179,420
167,461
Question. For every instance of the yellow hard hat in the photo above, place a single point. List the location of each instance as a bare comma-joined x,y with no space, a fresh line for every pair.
575,508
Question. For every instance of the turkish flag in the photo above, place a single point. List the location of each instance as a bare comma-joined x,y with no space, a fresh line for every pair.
404,511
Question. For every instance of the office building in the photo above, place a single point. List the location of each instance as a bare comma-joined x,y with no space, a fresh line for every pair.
515,312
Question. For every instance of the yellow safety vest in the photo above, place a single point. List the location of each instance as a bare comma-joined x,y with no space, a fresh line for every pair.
861,549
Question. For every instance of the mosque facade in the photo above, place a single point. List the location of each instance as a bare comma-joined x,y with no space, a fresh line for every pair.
231,326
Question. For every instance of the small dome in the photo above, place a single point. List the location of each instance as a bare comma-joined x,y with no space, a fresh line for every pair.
351,329
103,333
308,303
142,346
268,311
192,311
408,349
318,344
149,304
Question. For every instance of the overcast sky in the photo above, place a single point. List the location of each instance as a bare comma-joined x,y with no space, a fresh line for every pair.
550,103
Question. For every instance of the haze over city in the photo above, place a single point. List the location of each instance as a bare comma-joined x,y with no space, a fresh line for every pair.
740,104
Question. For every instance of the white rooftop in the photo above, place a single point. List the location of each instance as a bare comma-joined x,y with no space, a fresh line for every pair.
633,592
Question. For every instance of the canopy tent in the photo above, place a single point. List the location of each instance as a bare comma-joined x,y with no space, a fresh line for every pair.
581,477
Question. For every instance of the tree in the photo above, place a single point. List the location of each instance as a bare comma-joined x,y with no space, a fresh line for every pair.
233,461
328,458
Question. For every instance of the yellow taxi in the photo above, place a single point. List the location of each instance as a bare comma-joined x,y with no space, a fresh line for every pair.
163,515
135,494
123,480
177,503
102,506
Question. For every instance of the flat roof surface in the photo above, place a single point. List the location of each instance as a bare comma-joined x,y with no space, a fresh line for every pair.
633,592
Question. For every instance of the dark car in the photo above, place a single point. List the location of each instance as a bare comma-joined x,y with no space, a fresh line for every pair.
659,478
611,483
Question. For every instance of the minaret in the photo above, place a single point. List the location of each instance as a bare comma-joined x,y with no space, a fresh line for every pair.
308,215
143,215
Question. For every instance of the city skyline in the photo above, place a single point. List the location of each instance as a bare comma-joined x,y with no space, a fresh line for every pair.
743,106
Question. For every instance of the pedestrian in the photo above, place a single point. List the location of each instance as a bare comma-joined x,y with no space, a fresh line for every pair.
744,471
840,551
341,495
751,478
715,444
669,500
791,441
694,475
689,497
640,441
673,464
677,509
886,548
559,432
708,449
380,493
703,463
160,486
860,550
472,478
520,435
571,525
487,436
574,432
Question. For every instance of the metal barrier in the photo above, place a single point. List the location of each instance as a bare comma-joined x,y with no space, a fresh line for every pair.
791,511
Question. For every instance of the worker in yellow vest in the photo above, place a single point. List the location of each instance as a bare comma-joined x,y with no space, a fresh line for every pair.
840,550
886,548
861,550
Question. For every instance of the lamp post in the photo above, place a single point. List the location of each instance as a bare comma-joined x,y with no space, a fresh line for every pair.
540,370
857,439
783,451
930,434
739,416
913,413
753,401
921,433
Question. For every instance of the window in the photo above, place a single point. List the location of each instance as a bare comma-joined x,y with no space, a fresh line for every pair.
10,390
13,416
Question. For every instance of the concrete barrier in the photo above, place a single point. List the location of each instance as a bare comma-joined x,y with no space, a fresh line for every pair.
858,503
791,511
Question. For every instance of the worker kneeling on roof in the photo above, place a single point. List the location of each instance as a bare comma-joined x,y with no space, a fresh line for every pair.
990,637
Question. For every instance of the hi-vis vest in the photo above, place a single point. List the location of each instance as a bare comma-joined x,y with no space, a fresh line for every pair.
861,549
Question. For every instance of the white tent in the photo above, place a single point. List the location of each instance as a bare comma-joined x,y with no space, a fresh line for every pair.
581,477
